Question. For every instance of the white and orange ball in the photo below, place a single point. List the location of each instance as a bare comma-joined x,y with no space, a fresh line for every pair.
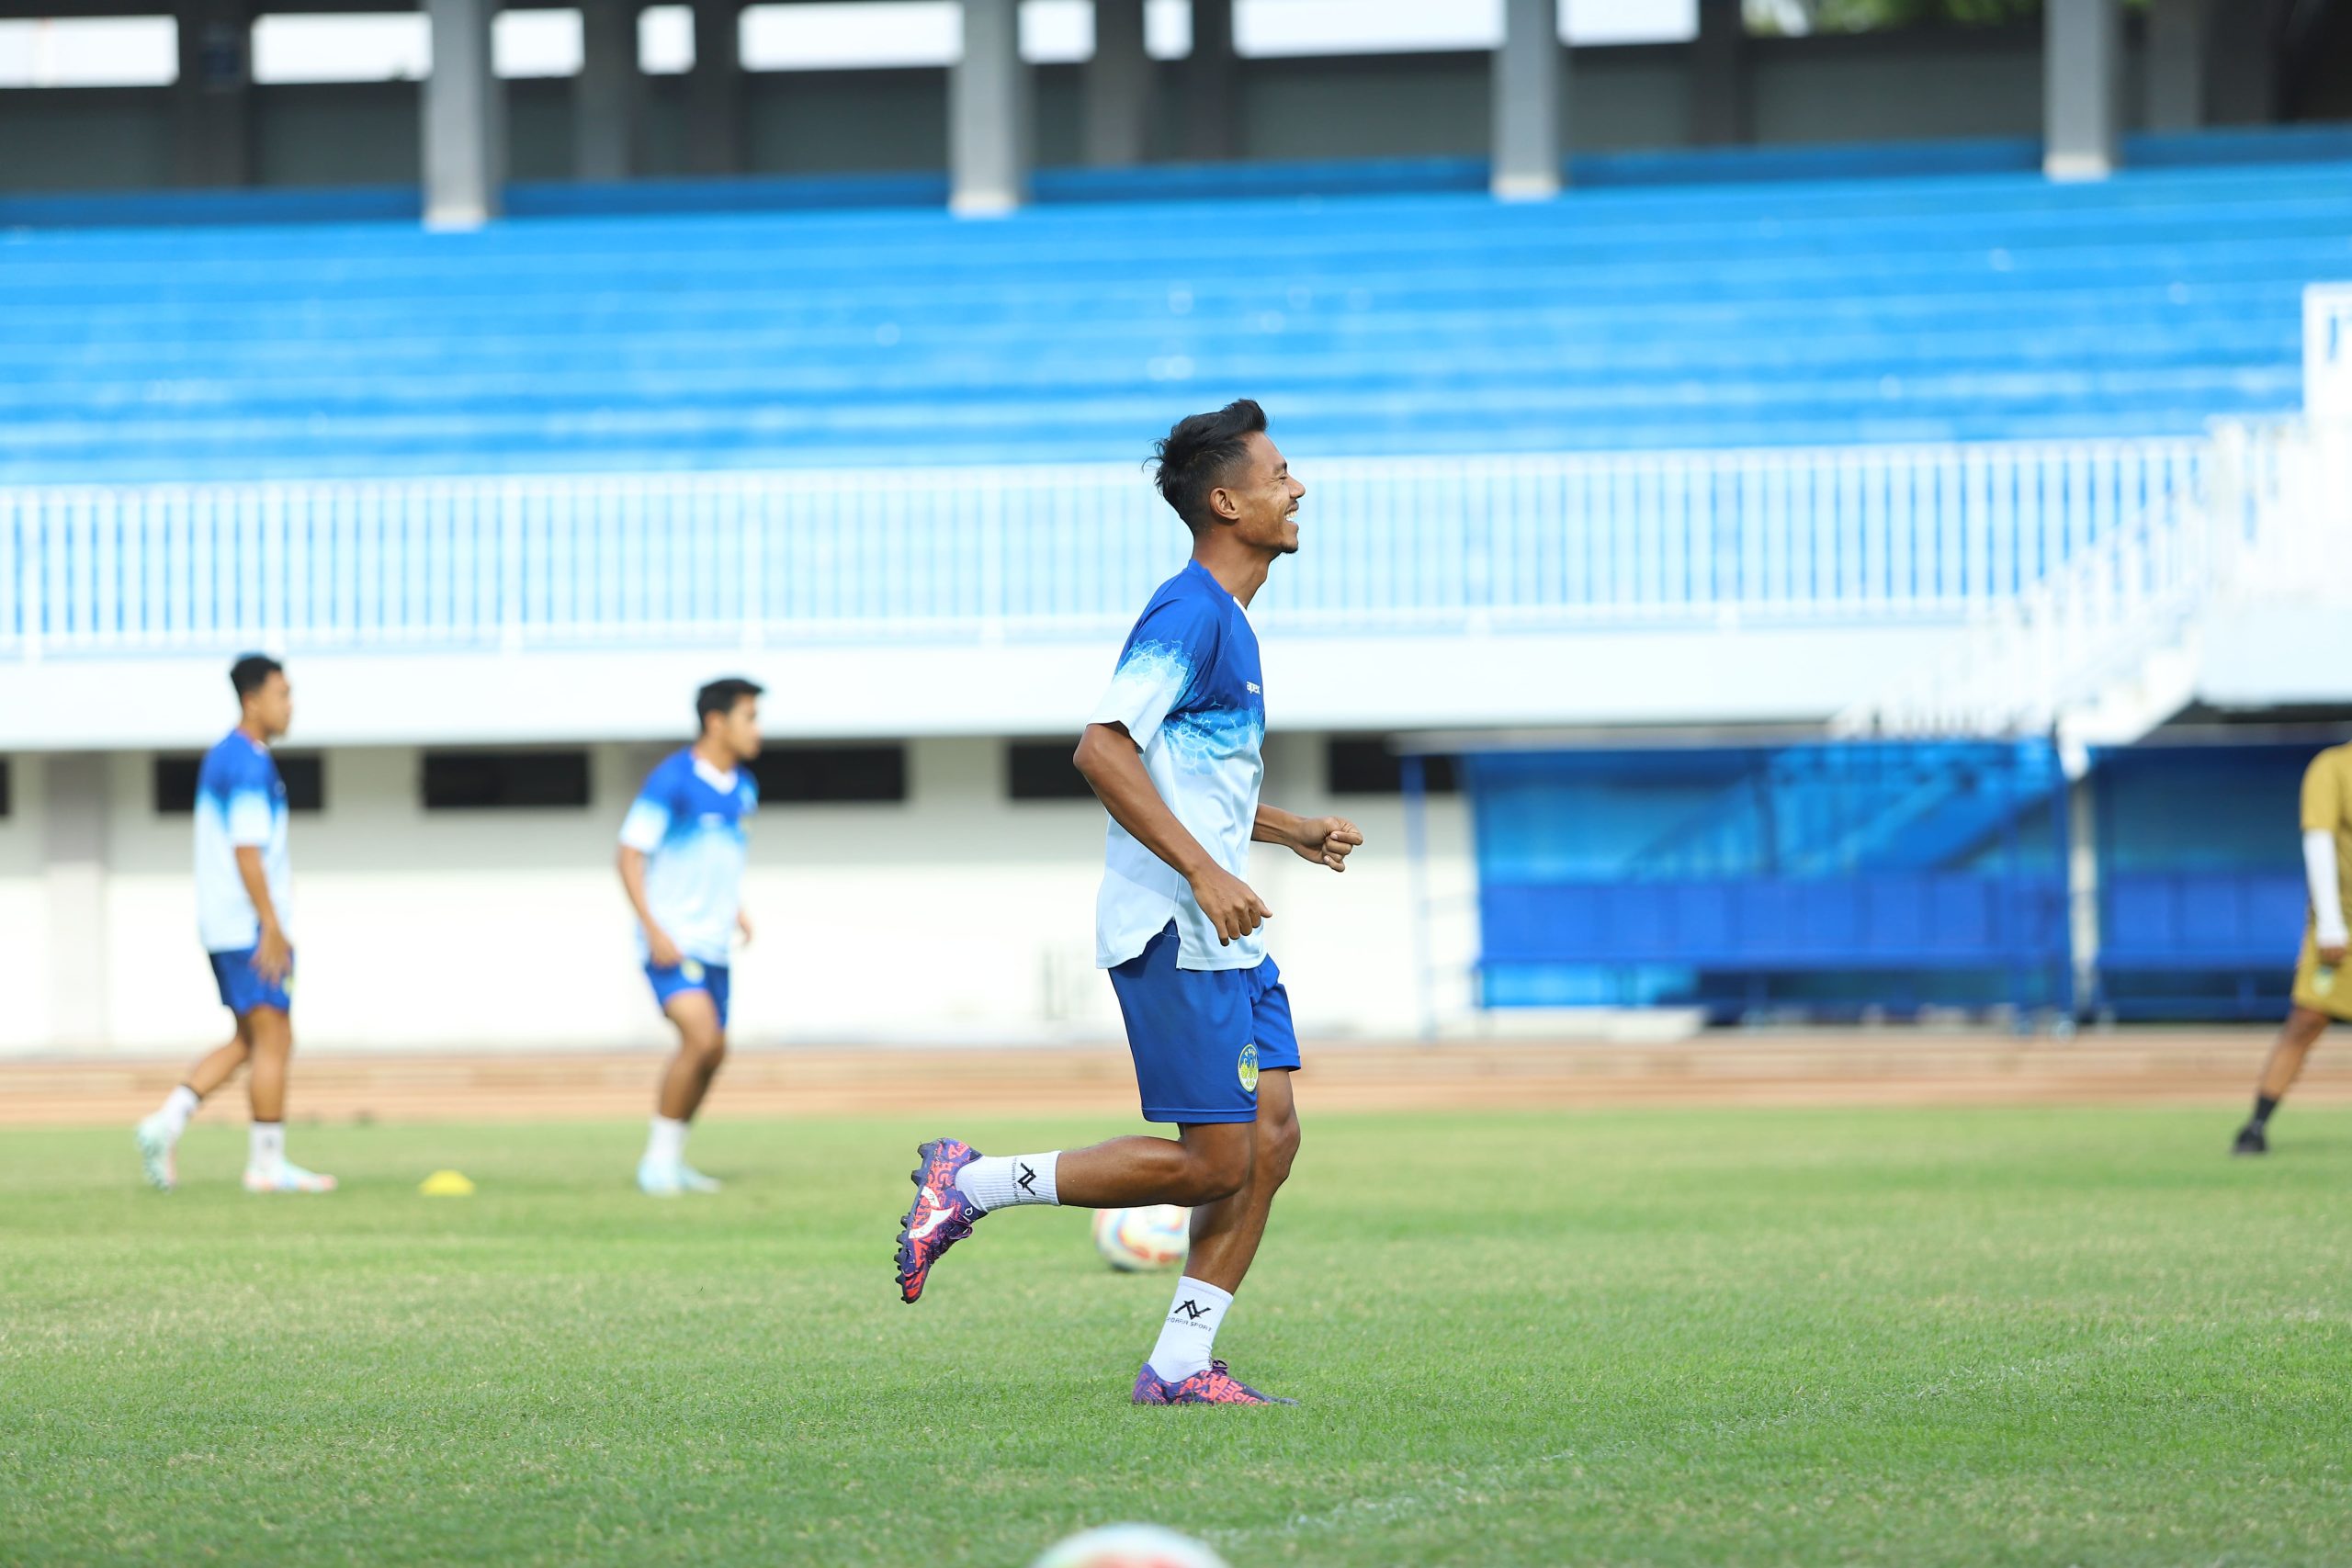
1138,1241
1130,1546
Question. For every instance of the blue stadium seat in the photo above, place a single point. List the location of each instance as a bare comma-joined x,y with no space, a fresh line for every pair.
1684,315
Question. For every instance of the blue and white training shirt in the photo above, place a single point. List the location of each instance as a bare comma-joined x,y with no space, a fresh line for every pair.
1191,694
239,803
688,823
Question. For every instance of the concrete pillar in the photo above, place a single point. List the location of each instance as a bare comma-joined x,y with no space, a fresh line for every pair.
212,142
74,804
465,118
1719,113
604,99
2173,69
1530,72
714,90
1212,86
2082,58
988,113
1118,86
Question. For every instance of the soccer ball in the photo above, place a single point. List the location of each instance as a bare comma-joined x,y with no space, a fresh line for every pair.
1139,1240
1130,1546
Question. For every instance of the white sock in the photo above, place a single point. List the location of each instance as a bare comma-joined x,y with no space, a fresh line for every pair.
1186,1338
1001,1181
266,1148
179,1106
667,1144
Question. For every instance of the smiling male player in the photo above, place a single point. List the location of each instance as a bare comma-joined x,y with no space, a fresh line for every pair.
1173,752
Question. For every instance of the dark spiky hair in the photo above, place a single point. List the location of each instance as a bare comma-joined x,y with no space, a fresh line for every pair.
1198,455
721,695
252,672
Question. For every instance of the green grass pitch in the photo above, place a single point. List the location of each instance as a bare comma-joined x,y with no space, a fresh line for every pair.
1660,1337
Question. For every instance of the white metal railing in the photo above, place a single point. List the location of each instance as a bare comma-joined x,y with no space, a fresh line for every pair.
2101,624
1437,543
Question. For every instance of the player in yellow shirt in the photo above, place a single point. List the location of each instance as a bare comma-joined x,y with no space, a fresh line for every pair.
2322,992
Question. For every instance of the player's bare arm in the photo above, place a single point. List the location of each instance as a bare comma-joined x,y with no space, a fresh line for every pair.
658,949
1324,840
1107,756
273,955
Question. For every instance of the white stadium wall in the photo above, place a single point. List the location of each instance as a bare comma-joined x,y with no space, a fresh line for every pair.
958,915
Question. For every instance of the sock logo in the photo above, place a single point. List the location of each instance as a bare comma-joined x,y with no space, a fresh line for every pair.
1027,1180
1191,1310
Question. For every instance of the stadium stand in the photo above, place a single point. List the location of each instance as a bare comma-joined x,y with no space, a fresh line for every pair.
1671,315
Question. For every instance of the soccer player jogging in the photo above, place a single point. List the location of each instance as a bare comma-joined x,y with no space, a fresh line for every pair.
1173,752
682,863
243,910
2322,993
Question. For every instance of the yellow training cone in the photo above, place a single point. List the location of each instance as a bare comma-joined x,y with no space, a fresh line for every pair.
446,1184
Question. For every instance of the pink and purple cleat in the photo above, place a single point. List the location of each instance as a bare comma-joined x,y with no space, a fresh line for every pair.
942,1215
1213,1384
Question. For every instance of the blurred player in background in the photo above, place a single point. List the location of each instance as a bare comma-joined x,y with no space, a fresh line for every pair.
1173,752
2323,993
682,861
243,910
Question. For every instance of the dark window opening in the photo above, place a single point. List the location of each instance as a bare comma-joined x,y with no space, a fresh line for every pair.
304,773
1041,770
498,781
1362,764
817,775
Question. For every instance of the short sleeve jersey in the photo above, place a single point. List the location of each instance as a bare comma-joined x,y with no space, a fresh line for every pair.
240,804
2327,808
1190,694
688,822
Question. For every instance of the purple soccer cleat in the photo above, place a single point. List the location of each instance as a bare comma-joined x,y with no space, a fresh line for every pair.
1213,1384
942,1215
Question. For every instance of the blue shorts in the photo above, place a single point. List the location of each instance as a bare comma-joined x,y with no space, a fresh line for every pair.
242,986
693,974
1201,1036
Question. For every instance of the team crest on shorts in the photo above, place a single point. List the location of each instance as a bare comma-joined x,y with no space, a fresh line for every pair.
690,970
1250,1068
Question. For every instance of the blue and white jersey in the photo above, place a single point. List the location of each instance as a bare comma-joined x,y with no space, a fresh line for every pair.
688,823
239,803
1190,694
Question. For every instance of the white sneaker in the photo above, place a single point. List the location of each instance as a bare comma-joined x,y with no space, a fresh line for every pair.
694,1180
158,1152
661,1179
287,1178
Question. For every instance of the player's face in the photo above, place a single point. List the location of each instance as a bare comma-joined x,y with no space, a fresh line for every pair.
272,707
1266,498
739,728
